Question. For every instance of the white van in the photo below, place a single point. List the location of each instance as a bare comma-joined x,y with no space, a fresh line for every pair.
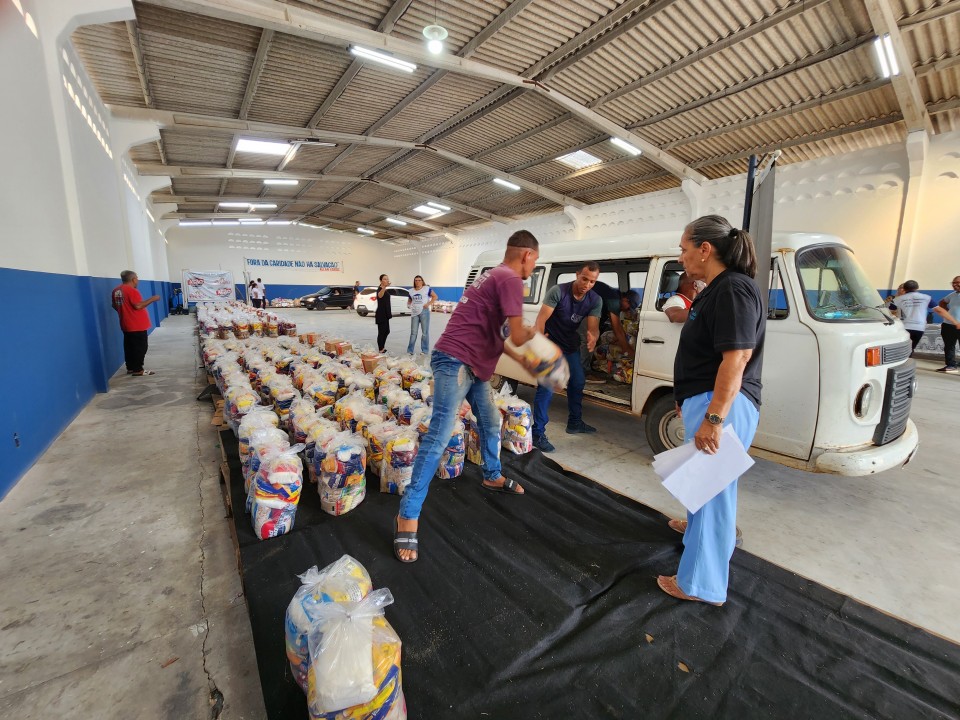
837,378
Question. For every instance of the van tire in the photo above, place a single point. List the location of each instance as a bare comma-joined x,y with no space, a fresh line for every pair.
663,427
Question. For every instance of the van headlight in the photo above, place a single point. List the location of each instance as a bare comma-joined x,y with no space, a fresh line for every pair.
861,404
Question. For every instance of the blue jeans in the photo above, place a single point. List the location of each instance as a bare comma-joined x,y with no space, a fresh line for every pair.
453,381
712,531
420,321
541,402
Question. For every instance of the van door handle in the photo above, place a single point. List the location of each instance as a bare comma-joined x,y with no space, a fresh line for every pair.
654,341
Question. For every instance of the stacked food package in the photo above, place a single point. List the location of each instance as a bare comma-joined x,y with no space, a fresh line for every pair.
399,454
517,424
276,492
454,454
342,473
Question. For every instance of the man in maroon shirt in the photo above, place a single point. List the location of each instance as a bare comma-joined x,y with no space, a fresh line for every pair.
134,321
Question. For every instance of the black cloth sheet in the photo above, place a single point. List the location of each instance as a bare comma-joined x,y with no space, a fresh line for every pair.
546,606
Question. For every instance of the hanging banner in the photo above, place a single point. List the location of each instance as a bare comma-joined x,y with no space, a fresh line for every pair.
314,265
200,286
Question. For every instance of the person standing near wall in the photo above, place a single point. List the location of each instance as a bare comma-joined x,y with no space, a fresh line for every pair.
356,291
384,313
949,332
421,296
263,293
716,383
134,321
913,306
463,361
255,294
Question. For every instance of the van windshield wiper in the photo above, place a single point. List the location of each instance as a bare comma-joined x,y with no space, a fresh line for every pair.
858,306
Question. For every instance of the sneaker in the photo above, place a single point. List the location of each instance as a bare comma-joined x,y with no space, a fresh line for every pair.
542,444
948,369
580,427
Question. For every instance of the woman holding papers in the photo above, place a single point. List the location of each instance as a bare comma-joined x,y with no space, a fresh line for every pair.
716,383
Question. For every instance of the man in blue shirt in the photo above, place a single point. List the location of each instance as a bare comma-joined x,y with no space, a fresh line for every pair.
564,308
949,331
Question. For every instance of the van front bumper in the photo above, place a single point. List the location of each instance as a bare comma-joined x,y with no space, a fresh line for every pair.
857,462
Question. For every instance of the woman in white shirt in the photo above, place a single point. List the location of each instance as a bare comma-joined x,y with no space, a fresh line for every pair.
421,296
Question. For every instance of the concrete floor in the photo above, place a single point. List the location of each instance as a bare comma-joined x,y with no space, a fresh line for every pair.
122,597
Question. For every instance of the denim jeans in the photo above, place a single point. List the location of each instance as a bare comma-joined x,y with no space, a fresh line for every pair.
421,321
950,335
453,381
541,401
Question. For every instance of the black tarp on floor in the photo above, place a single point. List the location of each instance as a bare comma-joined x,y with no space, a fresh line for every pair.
546,606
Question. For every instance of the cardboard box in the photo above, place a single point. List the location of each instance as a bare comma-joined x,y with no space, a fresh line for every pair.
330,346
343,347
371,361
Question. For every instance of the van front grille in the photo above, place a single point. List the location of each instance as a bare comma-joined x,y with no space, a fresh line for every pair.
896,403
890,354
471,277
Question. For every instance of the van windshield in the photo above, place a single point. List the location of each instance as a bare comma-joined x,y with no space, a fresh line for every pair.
835,287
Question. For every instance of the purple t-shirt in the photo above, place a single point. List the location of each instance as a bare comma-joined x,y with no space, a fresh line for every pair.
476,330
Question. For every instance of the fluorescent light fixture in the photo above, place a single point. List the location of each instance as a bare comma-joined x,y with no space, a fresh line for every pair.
624,145
280,181
382,58
506,183
263,147
263,206
883,47
579,159
225,222
245,206
428,210
279,222
311,225
438,206
364,231
149,215
251,221
193,223
394,221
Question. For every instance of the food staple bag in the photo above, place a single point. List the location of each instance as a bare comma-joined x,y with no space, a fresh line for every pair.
354,668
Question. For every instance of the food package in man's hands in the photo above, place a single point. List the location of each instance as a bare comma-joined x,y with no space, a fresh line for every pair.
345,580
518,421
377,436
454,454
354,668
396,467
549,365
276,492
344,461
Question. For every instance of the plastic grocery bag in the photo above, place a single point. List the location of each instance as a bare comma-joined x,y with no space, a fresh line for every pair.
345,580
454,454
276,492
399,454
377,436
518,421
354,659
550,366
259,417
344,461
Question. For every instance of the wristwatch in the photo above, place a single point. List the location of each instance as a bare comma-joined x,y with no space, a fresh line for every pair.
714,419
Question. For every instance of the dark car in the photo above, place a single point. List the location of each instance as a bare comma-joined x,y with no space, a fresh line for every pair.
333,296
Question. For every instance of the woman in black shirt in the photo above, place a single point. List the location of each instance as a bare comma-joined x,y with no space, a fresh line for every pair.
716,383
383,313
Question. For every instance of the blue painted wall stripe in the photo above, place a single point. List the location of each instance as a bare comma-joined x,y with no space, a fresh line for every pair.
61,344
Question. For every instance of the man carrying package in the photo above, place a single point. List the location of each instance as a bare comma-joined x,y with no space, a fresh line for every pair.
463,360
564,308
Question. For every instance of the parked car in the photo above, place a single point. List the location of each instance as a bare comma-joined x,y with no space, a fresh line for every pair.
335,296
367,300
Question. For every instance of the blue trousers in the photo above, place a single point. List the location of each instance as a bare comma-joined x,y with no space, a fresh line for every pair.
541,401
421,321
453,381
711,532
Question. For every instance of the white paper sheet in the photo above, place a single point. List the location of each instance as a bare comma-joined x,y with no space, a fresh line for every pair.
694,477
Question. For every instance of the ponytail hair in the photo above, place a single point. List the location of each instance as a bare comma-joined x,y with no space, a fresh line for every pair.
734,247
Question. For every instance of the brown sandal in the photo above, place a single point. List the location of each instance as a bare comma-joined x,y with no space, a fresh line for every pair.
668,583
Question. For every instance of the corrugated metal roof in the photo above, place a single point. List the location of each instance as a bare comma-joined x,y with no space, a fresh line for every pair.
746,75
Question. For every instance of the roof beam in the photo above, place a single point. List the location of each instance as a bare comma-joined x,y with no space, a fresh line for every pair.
905,83
324,218
208,123
136,47
253,80
303,23
195,171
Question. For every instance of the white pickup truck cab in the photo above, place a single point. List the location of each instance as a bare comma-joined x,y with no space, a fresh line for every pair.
837,379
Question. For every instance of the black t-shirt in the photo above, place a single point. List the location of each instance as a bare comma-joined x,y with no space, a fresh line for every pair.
384,311
611,302
726,315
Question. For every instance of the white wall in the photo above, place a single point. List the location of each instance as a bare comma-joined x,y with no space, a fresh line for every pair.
935,258
224,248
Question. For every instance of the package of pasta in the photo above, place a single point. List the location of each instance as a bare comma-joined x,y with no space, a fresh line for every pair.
396,467
345,580
354,670
517,424
454,454
276,492
344,461
377,436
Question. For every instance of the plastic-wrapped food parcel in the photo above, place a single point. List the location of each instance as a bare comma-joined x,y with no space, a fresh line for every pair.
341,649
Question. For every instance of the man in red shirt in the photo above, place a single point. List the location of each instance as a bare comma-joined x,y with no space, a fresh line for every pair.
134,321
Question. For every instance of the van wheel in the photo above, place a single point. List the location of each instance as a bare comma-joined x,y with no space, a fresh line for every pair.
664,427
